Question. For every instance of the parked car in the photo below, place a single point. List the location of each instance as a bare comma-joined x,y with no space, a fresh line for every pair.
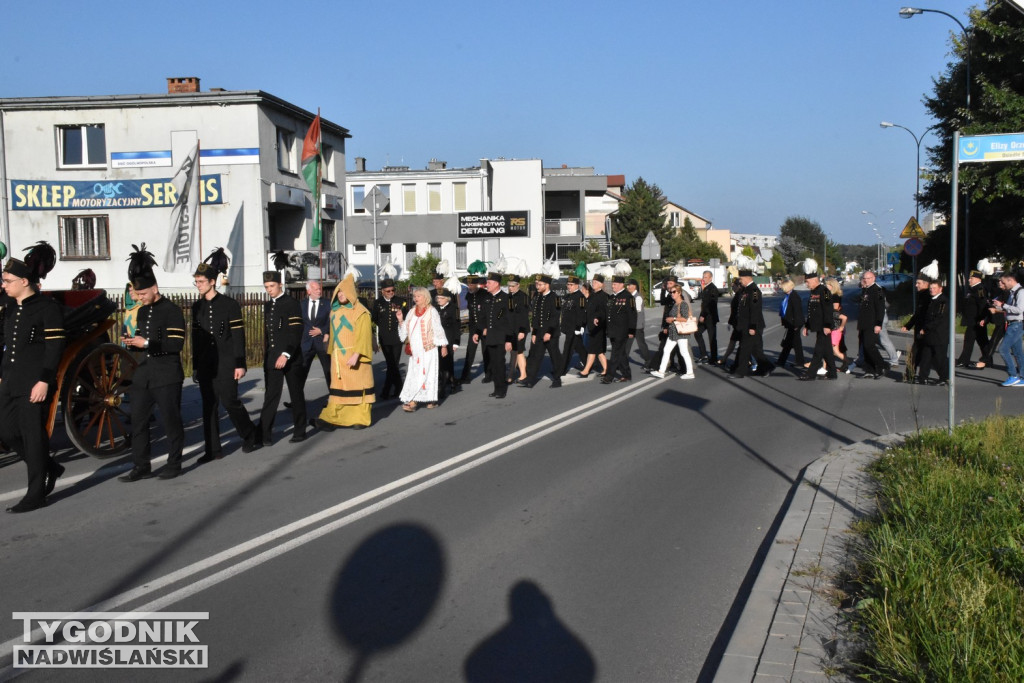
690,285
890,281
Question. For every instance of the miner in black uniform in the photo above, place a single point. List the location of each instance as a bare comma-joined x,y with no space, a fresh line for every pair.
475,298
750,327
924,279
870,318
621,327
544,310
974,316
597,322
282,359
159,337
574,319
934,335
33,340
496,332
520,304
448,310
218,359
383,316
819,321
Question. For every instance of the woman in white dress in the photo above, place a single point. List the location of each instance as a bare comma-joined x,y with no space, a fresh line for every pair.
423,335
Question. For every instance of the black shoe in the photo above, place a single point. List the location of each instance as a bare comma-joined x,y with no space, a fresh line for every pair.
737,376
358,427
829,377
297,438
807,377
25,507
456,388
487,379
622,379
251,446
524,383
465,380
556,383
288,405
169,472
136,474
325,426
51,477
209,457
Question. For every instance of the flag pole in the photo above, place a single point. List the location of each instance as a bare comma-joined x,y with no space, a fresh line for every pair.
319,180
199,208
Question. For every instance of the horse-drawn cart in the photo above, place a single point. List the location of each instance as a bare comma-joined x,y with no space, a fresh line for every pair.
93,376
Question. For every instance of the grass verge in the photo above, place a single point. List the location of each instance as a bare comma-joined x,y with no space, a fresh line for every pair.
940,568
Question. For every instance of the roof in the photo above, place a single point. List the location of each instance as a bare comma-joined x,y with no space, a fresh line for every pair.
692,213
616,180
208,98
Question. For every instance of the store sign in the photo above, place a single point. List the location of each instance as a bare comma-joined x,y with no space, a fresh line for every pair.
67,195
493,224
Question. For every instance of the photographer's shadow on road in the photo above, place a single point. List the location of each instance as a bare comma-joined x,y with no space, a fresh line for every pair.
386,590
533,646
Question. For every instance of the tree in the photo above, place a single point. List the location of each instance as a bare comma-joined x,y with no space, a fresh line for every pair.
685,245
749,252
789,249
995,190
778,265
639,212
589,254
421,273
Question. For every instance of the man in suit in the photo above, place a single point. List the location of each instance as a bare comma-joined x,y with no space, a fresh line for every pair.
708,320
282,338
750,326
316,315
544,315
621,327
384,318
495,333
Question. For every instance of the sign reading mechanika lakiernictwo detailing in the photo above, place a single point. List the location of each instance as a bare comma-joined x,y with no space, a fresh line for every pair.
493,224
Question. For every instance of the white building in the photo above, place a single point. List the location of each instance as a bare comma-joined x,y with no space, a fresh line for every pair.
91,174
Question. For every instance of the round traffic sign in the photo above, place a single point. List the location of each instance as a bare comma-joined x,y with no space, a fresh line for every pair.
913,246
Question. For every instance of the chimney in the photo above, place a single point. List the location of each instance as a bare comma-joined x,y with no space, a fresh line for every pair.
183,84
360,164
435,165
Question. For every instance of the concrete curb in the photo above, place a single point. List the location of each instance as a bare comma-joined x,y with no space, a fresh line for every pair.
788,628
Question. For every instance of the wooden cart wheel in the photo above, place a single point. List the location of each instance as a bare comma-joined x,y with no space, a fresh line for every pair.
96,420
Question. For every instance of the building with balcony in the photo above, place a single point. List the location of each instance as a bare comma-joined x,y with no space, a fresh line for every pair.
92,175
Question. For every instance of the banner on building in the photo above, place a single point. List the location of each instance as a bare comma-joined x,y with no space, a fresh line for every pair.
183,240
78,195
473,224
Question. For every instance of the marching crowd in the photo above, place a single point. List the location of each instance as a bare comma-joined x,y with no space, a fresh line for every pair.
343,334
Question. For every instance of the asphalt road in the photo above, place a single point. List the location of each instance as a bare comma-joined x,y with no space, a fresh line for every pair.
584,533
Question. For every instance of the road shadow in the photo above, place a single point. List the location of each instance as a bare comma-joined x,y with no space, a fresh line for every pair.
533,646
385,591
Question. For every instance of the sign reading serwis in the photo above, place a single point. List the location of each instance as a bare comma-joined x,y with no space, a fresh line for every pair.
62,195
493,224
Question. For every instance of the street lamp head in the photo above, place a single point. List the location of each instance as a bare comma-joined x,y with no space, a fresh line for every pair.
886,124
907,12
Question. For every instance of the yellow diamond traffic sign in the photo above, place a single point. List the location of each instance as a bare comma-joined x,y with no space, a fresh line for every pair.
912,229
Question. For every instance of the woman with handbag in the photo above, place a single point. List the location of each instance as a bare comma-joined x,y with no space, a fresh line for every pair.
682,325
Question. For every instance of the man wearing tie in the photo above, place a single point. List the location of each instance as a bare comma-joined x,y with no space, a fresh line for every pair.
316,312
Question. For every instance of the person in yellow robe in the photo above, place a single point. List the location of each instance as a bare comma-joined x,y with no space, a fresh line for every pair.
350,346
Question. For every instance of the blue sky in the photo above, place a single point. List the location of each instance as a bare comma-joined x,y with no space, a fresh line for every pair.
744,112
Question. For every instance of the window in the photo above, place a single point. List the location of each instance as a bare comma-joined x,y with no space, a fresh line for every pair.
435,250
328,231
675,219
409,198
80,146
385,250
286,150
434,197
461,260
410,255
358,248
84,237
459,196
328,154
358,197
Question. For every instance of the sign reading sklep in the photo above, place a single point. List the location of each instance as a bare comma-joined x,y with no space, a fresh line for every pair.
61,195
493,224
110,640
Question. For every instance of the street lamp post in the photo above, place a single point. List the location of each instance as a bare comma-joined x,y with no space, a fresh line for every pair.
907,13
917,167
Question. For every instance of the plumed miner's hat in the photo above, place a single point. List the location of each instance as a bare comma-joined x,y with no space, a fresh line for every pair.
140,268
810,268
84,280
280,263
214,264
930,273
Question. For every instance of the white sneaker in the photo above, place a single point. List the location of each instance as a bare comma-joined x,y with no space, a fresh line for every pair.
659,375
822,372
896,360
688,375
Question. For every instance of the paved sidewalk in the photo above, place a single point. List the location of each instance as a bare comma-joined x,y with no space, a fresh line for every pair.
788,628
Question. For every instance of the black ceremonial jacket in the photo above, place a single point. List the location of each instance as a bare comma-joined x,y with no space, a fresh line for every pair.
621,314
162,324
282,327
749,310
218,337
574,313
819,310
383,317
450,322
597,308
544,314
871,311
975,306
497,319
520,307
709,303
33,341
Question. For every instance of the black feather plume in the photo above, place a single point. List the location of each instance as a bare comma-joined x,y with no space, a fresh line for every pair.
140,262
40,259
218,258
84,280
280,260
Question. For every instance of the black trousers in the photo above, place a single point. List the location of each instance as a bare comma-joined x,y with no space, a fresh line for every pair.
496,364
168,400
274,381
791,342
751,346
325,362
711,351
933,355
536,357
974,333
998,331
573,343
446,370
467,363
619,361
869,347
393,378
215,392
823,353
23,428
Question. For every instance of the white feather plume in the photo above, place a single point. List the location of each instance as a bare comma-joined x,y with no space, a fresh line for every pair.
388,271
607,272
443,268
520,268
622,268
986,267
679,269
453,285
810,266
931,271
744,261
500,265
403,276
551,269
351,270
